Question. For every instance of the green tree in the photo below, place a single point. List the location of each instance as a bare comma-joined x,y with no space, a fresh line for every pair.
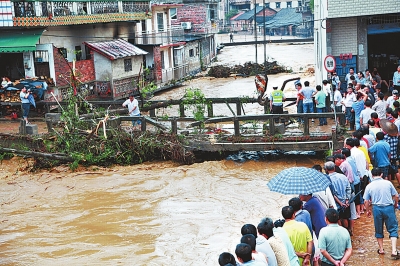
230,14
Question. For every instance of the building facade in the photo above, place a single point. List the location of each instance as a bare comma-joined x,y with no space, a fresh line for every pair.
363,38
46,38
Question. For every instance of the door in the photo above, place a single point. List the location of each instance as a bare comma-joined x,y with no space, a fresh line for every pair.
343,67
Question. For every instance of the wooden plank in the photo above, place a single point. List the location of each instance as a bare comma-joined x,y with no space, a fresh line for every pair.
154,123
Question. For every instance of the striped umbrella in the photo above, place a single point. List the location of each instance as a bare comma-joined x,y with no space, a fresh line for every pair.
299,180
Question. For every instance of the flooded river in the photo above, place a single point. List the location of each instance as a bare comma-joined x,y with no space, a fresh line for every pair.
156,213
151,214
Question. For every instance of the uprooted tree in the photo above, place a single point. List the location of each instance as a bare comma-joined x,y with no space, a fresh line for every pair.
78,142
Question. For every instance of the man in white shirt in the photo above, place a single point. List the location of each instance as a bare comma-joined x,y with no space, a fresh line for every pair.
391,99
380,106
348,101
133,108
348,75
365,114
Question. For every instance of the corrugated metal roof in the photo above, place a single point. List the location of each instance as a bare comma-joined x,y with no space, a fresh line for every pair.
115,49
285,17
249,14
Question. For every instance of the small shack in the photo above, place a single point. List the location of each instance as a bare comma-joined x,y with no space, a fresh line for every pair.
117,64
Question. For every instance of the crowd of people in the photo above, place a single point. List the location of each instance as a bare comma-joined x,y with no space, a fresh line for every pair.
316,229
363,90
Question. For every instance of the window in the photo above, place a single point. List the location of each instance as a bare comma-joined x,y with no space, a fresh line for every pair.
212,12
299,3
289,4
160,21
278,4
162,60
128,64
41,56
172,13
266,4
63,51
87,53
78,53
191,52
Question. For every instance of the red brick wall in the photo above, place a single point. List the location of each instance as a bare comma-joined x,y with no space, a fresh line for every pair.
268,13
157,63
84,69
197,14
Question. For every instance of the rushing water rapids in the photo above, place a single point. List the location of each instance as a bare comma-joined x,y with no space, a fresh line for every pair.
156,213
150,214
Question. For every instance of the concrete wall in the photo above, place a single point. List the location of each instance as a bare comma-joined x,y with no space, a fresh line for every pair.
103,67
344,36
49,49
118,67
362,44
337,8
193,62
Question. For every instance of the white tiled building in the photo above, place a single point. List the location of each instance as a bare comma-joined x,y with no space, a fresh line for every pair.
361,34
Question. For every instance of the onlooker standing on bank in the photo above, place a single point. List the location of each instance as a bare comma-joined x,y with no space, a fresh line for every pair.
320,101
348,101
299,100
349,75
380,106
26,104
381,152
337,101
276,101
396,79
382,195
334,241
336,81
308,93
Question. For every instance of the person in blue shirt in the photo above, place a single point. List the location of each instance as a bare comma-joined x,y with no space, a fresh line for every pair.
316,210
308,93
358,106
382,195
334,241
381,151
396,79
301,215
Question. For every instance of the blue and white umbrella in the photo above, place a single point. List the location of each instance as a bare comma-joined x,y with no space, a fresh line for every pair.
299,180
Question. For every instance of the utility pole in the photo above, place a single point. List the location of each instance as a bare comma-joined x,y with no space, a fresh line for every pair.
263,31
255,27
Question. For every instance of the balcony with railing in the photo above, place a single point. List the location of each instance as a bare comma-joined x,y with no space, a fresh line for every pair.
165,36
74,12
175,73
303,9
239,2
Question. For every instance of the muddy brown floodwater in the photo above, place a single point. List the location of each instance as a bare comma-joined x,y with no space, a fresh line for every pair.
151,214
156,213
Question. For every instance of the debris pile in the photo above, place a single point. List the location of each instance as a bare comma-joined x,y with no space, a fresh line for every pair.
248,69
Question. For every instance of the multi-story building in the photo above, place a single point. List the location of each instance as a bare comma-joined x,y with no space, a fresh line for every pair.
179,39
364,37
40,38
55,39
